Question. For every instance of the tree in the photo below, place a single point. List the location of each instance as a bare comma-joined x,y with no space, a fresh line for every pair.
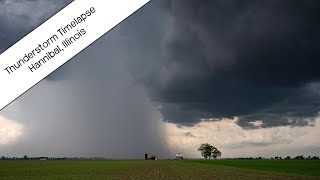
287,158
3,158
299,157
207,151
25,157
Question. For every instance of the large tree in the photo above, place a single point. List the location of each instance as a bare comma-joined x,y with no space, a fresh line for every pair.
207,151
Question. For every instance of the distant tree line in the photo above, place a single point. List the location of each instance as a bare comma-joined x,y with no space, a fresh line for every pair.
25,157
300,157
214,154
208,151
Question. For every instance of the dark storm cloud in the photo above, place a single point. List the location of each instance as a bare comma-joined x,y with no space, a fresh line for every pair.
19,17
257,60
221,59
250,59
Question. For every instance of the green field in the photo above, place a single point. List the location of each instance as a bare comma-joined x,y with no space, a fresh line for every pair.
161,169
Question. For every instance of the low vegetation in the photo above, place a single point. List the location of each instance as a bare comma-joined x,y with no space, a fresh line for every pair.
161,169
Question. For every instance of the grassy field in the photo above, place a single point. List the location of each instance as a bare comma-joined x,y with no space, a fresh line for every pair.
294,167
161,169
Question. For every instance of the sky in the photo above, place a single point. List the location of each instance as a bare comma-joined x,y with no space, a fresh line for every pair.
240,75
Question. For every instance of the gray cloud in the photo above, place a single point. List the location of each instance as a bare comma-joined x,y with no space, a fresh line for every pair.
96,110
90,107
256,60
19,17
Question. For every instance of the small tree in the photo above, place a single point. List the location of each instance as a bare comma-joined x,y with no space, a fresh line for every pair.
287,158
25,157
207,151
3,158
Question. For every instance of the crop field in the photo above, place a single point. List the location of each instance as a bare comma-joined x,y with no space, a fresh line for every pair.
161,169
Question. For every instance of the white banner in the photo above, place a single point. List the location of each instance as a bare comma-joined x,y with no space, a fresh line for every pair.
56,41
